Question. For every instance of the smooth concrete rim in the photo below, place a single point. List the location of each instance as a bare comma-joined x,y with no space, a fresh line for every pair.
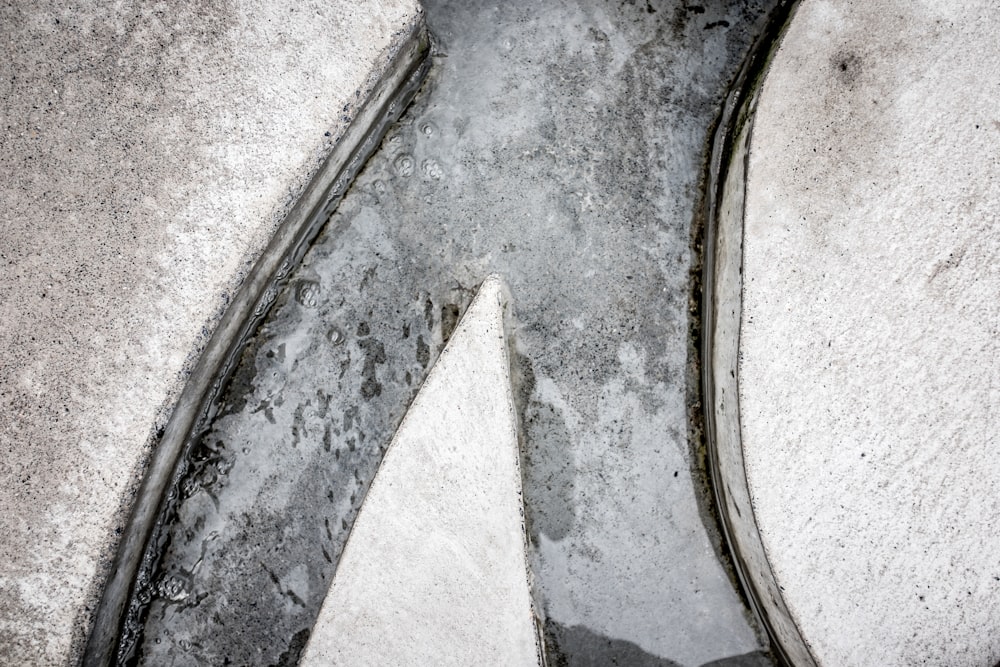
407,67
726,184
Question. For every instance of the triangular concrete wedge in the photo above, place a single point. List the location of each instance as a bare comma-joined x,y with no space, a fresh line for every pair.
434,571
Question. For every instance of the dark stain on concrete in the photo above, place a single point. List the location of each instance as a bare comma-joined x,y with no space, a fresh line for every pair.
291,656
847,67
449,320
374,352
754,659
549,472
578,646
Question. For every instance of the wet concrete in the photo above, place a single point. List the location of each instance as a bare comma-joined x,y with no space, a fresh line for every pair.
578,646
563,147
157,164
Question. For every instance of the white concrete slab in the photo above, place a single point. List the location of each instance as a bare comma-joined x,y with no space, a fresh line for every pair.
869,374
148,153
435,571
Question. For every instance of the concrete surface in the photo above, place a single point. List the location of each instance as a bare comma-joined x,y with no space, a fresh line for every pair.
435,569
560,144
721,314
869,371
147,155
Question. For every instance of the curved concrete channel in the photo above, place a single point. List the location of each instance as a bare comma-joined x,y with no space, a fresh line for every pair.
562,147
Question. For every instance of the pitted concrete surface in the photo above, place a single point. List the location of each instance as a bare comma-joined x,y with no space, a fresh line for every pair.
435,570
870,372
147,154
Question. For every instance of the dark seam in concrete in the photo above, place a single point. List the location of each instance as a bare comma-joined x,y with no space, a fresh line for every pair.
736,113
407,66
512,358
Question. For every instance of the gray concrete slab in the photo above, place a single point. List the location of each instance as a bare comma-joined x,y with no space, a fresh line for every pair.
869,355
147,156
561,144
435,569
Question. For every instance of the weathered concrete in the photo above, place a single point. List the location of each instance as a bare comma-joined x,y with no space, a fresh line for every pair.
147,156
559,144
869,374
435,569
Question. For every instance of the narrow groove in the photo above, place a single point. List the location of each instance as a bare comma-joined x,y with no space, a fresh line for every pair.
736,117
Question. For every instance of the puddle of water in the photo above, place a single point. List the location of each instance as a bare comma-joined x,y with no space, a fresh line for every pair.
560,145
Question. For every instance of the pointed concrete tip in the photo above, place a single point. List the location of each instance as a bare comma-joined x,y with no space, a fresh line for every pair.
493,285
435,569
492,292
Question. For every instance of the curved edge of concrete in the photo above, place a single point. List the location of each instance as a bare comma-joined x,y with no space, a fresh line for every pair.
722,282
445,516
407,66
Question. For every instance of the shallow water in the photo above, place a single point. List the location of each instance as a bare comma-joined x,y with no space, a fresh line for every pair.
560,144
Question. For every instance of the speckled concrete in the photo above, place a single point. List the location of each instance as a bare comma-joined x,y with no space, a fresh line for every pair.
870,348
147,154
435,570
562,145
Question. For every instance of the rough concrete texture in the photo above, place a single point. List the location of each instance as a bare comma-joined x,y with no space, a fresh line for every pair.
147,154
870,372
435,569
560,144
